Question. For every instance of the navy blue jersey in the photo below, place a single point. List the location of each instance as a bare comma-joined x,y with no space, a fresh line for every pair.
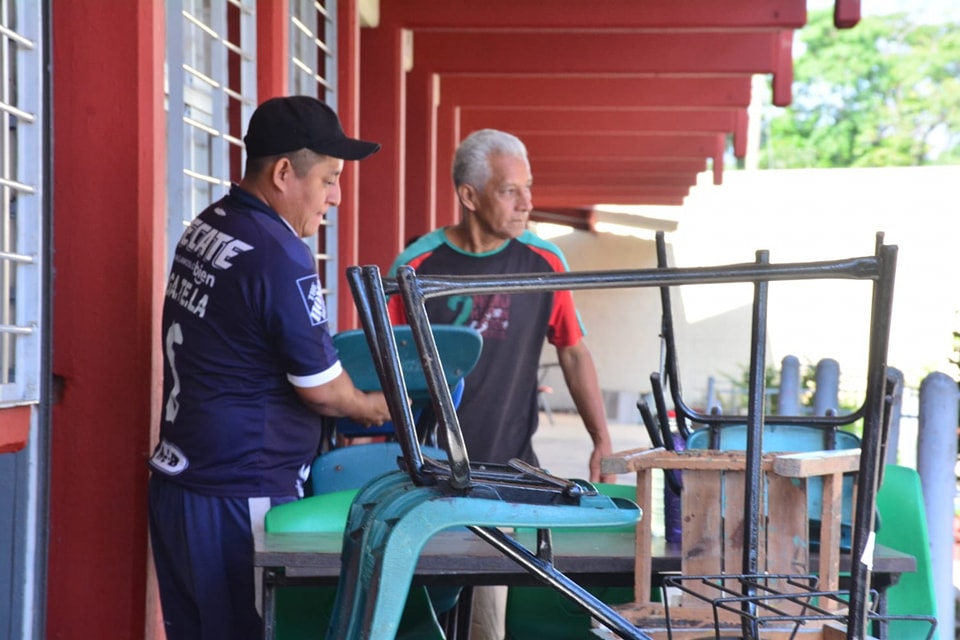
243,322
498,413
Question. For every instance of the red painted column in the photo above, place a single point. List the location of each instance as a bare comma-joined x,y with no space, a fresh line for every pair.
448,137
273,50
109,210
382,118
421,156
348,108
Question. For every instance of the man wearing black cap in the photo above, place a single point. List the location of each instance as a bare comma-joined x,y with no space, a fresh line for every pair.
249,367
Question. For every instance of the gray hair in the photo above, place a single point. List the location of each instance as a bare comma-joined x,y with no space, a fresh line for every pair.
471,164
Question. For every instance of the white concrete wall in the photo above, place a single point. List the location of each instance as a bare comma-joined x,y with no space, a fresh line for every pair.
799,216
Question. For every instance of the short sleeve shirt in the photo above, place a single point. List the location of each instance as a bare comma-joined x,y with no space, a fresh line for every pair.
498,413
244,320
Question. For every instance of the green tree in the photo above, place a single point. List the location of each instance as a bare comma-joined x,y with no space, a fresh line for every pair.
885,93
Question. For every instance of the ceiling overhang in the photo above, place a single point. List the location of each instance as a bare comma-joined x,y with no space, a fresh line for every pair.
618,101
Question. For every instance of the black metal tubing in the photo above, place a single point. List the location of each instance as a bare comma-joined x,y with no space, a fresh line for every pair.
873,436
440,396
435,286
880,268
671,365
546,572
368,294
753,478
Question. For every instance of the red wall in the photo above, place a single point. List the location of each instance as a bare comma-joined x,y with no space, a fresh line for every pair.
108,203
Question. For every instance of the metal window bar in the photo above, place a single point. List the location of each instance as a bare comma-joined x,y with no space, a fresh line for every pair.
22,168
878,269
209,76
313,72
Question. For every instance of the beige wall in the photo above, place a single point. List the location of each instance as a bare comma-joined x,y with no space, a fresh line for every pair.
799,216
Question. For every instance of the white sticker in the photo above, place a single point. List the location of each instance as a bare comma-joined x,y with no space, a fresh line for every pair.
169,458
867,557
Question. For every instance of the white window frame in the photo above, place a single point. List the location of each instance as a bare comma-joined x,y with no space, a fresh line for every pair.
313,72
23,209
198,91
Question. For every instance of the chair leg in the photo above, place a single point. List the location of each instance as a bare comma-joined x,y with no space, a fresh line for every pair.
375,581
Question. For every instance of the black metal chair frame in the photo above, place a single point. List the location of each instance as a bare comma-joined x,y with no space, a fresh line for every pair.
519,482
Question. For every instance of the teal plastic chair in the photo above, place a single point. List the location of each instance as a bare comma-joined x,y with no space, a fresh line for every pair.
349,468
534,613
459,347
394,515
900,499
304,612
352,467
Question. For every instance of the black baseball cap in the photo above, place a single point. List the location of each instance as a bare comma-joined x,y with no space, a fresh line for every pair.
281,125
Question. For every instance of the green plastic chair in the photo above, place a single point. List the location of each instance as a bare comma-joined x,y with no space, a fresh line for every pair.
900,499
534,613
303,612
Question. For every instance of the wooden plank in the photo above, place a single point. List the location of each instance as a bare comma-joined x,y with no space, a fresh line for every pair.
787,545
627,461
643,570
816,463
702,537
830,516
734,531
635,459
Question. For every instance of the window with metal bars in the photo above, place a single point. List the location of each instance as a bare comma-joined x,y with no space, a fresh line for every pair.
22,208
211,93
313,37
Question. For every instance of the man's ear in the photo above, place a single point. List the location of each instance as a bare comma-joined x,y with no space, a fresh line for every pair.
281,173
467,195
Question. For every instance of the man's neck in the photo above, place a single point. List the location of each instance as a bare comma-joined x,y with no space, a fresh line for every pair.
471,239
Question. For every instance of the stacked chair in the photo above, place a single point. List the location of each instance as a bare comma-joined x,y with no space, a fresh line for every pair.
394,515
747,538
344,466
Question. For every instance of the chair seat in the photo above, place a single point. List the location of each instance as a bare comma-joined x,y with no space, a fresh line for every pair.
351,467
392,519
304,613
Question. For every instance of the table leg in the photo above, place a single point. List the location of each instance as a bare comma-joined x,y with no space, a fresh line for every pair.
269,603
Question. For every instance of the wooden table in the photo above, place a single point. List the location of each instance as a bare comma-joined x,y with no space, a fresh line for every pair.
457,557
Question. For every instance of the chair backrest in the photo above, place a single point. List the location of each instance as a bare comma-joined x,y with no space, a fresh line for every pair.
900,501
789,438
459,348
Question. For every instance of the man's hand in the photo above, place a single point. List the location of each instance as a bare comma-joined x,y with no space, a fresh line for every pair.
595,457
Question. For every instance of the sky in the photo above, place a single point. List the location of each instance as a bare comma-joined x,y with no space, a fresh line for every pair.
925,10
